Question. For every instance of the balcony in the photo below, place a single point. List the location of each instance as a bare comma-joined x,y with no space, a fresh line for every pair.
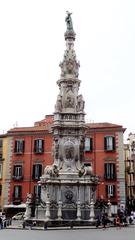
19,152
17,201
110,177
39,151
17,178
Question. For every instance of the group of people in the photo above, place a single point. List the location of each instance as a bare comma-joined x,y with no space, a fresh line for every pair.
102,220
121,219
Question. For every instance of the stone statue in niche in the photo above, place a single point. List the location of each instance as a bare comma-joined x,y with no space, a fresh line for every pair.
69,152
69,98
58,106
69,103
68,157
55,149
80,103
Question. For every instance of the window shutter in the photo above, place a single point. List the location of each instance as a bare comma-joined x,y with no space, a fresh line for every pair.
113,143
15,146
39,190
91,144
14,171
33,172
23,147
42,145
114,190
21,173
105,170
106,190
19,191
40,170
35,146
14,192
105,144
114,171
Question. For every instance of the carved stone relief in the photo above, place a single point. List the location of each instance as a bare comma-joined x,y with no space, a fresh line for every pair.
69,154
69,98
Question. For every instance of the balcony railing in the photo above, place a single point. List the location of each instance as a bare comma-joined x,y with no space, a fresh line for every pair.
17,200
17,178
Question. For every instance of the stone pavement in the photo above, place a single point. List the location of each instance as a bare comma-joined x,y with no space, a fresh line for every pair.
124,233
19,225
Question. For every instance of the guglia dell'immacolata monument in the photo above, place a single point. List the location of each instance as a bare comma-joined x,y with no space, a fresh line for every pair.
67,186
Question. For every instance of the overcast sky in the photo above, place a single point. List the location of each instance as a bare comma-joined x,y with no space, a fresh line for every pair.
32,45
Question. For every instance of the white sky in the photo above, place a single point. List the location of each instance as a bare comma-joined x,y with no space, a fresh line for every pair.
32,45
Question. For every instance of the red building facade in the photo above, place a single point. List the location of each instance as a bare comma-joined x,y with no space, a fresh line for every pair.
30,150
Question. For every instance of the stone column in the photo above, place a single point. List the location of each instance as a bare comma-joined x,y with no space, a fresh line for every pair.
47,213
59,214
27,214
60,210
92,214
78,205
78,210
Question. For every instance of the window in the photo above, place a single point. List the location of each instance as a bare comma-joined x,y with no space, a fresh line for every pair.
1,143
37,191
110,191
109,143
19,146
17,192
17,174
88,144
39,146
37,171
110,171
0,170
0,189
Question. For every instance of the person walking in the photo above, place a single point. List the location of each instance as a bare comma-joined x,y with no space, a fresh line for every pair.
117,222
104,221
1,223
98,221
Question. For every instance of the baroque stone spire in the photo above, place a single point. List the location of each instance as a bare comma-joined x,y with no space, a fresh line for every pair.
69,124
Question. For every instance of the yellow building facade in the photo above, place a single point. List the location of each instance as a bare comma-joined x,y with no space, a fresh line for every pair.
3,171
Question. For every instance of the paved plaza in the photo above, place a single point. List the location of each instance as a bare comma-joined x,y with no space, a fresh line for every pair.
127,233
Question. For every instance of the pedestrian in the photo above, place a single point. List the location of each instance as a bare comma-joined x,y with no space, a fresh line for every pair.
1,223
104,221
131,219
117,221
98,221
